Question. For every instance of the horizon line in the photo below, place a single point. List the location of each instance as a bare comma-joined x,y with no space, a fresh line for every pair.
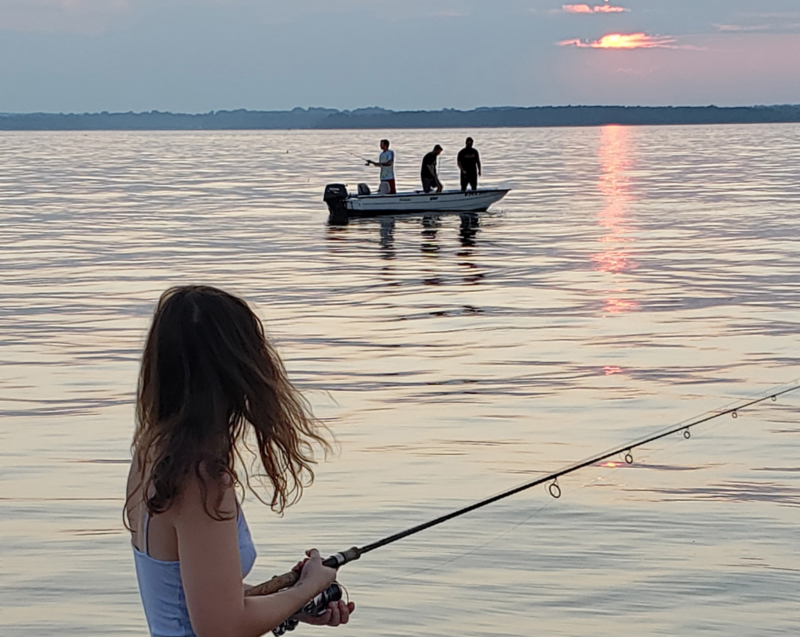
376,109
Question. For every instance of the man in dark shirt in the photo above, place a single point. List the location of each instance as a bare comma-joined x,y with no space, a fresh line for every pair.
429,174
469,163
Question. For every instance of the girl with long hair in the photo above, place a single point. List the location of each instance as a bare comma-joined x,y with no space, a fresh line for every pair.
212,390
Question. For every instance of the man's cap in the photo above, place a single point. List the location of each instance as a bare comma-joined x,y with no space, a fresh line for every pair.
437,147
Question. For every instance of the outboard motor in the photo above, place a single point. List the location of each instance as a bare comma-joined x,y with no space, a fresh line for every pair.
335,196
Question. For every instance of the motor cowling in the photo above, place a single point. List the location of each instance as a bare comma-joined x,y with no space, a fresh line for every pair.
335,196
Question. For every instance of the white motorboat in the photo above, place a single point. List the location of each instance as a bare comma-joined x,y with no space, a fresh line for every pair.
343,205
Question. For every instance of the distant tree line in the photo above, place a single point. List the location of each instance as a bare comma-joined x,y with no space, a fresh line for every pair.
378,118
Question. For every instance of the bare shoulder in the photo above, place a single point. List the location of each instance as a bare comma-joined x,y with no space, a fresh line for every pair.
204,497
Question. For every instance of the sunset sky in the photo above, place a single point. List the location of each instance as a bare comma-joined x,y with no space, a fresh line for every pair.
201,55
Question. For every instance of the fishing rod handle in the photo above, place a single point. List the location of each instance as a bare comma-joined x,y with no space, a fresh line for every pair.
279,582
340,559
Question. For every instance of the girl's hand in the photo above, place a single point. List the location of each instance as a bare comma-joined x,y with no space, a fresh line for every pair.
317,576
337,613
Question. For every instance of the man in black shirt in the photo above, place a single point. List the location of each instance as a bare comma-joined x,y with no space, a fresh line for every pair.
469,163
429,174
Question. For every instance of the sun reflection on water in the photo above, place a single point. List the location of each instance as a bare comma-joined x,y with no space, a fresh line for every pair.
614,184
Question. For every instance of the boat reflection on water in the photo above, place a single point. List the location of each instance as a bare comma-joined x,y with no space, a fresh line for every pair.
431,224
470,226
392,234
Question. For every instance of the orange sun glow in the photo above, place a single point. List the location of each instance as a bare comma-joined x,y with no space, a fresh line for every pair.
624,41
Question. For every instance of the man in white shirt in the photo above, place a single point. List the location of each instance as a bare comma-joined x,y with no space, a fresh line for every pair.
386,164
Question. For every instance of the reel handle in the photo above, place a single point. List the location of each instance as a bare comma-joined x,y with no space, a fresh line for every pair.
279,582
315,608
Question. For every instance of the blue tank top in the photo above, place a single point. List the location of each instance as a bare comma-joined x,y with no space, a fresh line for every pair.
161,586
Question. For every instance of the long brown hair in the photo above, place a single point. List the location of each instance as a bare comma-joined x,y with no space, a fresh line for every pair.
210,382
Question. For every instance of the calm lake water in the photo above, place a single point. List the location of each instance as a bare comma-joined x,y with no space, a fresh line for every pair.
633,278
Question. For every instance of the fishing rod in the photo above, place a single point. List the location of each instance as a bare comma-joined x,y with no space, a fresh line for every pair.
367,162
340,559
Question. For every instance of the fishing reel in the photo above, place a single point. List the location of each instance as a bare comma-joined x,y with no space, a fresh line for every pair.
314,608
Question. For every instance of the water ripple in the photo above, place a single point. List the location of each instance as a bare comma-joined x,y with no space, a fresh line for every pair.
633,278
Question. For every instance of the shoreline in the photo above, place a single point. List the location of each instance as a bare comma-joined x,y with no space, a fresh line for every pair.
376,118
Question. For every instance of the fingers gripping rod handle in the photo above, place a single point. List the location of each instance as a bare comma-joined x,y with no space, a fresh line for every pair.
279,582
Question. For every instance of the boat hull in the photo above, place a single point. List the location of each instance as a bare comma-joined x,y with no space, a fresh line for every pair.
403,203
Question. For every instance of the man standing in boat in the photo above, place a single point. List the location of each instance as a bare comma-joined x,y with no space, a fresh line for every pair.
429,174
469,164
386,164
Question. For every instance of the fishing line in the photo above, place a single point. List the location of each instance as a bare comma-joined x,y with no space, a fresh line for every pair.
511,529
366,161
551,480
506,531
553,477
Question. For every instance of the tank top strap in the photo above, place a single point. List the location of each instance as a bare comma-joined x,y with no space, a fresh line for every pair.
146,550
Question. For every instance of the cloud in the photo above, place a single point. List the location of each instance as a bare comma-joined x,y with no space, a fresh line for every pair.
283,12
781,16
67,6
739,28
607,8
759,22
586,9
97,16
625,41
726,69
791,27
48,16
